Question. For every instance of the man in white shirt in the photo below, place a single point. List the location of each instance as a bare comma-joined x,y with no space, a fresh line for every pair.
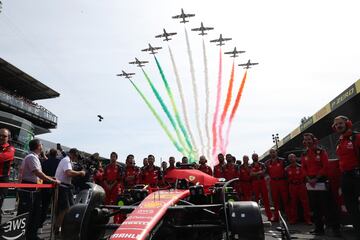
30,199
64,173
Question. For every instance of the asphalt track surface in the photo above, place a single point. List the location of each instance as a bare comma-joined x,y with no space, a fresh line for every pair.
300,231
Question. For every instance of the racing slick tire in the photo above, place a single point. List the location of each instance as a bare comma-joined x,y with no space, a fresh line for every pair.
79,221
245,221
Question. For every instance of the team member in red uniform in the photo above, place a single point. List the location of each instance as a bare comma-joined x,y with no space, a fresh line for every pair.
278,184
203,167
145,164
297,190
151,175
348,151
218,169
171,164
112,180
99,174
131,173
245,179
259,184
314,162
7,153
229,169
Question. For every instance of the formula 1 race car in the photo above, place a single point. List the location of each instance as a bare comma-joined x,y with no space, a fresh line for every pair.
197,206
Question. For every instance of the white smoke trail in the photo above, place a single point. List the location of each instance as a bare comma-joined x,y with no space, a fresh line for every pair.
193,80
183,103
207,100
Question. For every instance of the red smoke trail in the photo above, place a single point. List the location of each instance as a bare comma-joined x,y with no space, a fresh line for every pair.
226,107
216,113
233,111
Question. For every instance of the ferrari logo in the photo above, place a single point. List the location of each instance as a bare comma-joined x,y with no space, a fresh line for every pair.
192,178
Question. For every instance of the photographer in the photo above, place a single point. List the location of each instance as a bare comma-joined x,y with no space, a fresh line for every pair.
90,166
64,173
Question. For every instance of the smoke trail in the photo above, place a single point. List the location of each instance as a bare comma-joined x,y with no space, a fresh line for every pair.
165,109
156,115
177,115
207,100
183,103
226,107
216,113
192,71
233,111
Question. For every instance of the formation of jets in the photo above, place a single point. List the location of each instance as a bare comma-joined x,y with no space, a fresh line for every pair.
248,64
202,29
183,16
125,74
234,53
220,40
139,63
151,49
166,35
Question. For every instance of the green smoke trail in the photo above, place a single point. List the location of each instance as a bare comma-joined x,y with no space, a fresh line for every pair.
156,115
166,110
177,115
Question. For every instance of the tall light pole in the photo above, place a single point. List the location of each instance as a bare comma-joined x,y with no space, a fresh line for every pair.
275,138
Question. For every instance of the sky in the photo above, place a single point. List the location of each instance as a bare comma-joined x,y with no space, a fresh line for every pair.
308,53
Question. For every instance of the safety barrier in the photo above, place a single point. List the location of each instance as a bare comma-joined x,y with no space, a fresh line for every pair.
24,186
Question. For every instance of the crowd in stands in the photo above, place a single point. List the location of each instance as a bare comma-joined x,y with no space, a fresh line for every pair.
25,100
300,180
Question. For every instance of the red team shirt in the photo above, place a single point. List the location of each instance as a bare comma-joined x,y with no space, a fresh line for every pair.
229,171
7,153
295,174
276,169
348,151
244,173
218,171
315,162
206,169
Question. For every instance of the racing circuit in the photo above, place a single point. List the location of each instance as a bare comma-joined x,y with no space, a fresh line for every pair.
192,204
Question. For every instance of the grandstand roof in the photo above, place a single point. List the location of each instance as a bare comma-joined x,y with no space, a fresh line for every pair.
15,80
346,103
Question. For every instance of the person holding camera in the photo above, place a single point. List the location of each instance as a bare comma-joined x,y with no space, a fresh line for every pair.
64,173
348,151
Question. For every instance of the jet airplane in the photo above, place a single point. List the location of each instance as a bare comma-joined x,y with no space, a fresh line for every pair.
234,53
165,35
220,40
202,29
183,16
125,74
151,49
248,64
138,62
100,118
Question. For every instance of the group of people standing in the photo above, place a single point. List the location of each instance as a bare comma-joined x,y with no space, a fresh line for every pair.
290,184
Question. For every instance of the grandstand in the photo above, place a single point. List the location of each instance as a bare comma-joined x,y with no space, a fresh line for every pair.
18,111
346,103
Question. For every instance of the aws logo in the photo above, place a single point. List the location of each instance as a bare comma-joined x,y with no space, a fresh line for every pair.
14,229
